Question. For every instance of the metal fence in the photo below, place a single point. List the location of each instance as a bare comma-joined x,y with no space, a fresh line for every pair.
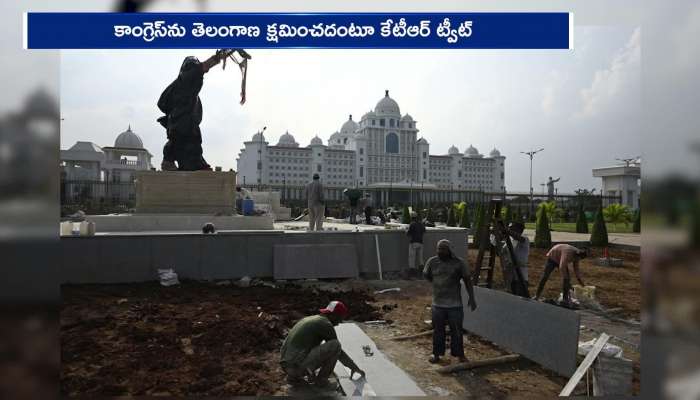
95,197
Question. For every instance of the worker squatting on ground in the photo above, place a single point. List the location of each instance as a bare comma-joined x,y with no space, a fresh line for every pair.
445,271
313,345
560,256
315,202
521,251
415,233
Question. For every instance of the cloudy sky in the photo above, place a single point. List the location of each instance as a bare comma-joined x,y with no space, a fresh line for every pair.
582,106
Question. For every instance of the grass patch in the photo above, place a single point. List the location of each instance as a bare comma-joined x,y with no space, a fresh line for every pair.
571,227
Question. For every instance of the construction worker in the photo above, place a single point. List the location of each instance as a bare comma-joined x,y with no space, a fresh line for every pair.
559,257
312,345
521,251
445,271
415,233
353,196
315,200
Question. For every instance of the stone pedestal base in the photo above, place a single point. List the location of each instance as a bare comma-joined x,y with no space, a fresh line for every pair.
185,192
176,222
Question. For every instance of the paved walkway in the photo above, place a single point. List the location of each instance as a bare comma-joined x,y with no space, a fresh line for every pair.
629,239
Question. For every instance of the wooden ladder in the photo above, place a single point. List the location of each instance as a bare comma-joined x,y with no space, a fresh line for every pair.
486,246
494,224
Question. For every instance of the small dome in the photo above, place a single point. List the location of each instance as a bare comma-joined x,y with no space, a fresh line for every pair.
407,118
387,105
128,139
369,114
472,151
316,141
349,126
453,151
287,140
422,141
258,137
495,153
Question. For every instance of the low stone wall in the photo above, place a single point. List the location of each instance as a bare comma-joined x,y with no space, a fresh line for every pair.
225,255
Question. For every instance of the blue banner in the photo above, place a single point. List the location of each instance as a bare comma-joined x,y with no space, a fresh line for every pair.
269,30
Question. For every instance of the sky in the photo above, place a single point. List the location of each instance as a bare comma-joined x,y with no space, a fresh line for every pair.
581,106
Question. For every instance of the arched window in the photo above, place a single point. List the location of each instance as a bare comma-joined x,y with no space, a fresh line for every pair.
392,143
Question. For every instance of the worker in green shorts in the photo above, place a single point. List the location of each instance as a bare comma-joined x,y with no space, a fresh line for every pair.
312,345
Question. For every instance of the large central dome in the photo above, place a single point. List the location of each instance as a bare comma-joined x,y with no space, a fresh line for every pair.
387,105
128,139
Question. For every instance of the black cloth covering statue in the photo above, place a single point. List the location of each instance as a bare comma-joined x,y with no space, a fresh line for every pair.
183,113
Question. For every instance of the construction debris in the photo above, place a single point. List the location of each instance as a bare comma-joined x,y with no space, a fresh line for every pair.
168,277
480,363
585,364
395,289
426,333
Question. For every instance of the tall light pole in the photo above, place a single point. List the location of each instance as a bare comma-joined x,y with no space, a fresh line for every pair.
531,154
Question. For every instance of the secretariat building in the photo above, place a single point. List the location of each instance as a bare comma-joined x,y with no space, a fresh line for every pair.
381,153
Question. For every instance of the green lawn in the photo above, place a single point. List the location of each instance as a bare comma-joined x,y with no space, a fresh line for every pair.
571,227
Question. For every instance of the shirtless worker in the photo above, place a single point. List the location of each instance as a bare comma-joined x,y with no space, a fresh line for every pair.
560,256
312,344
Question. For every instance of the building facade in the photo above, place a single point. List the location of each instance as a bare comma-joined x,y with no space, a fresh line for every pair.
623,181
382,150
95,172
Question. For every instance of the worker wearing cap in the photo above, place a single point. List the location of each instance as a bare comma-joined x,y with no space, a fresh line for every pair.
315,200
312,344
445,271
559,257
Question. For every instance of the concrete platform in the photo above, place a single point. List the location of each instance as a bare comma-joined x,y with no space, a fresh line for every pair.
177,222
185,192
383,378
136,256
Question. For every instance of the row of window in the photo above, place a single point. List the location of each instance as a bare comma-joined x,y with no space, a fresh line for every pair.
392,122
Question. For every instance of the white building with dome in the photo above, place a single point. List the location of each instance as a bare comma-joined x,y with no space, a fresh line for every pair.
87,162
380,151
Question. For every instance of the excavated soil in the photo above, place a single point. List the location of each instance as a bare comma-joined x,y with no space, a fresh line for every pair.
191,339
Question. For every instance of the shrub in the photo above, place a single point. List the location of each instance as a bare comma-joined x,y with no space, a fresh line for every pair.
451,221
543,236
617,213
479,220
406,216
464,219
581,221
599,234
637,226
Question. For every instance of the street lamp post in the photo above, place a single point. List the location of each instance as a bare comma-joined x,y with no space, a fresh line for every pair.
531,154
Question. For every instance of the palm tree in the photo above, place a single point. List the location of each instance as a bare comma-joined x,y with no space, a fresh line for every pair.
617,213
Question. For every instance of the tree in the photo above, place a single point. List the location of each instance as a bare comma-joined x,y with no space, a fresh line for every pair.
406,216
581,221
599,233
543,236
451,221
637,226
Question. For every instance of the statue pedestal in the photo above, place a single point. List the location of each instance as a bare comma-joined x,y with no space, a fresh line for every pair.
185,192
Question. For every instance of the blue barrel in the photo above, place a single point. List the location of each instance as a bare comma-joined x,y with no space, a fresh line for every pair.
248,206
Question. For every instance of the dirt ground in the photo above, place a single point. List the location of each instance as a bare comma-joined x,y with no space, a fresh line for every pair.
205,339
617,287
192,339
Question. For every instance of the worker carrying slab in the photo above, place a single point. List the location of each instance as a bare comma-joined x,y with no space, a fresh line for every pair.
559,257
312,345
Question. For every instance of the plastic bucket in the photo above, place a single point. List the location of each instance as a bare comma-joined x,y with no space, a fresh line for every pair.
248,206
